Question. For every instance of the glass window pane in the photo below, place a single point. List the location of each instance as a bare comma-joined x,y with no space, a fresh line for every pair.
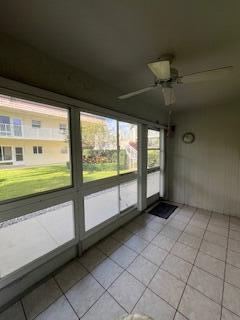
100,206
128,194
28,173
5,128
7,153
99,143
153,183
153,158
29,237
153,139
128,147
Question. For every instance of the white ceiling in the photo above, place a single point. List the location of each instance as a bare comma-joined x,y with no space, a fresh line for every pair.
113,40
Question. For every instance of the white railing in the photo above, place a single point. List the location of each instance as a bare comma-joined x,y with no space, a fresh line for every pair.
28,132
132,155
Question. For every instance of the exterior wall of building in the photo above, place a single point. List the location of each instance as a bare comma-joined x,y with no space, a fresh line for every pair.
53,152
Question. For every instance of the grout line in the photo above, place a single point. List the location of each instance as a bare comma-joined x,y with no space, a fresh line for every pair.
154,276
193,264
66,298
140,254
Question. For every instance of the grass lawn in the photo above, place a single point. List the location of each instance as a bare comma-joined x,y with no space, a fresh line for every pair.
17,182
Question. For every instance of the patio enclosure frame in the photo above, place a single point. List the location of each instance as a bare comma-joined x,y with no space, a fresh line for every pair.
76,192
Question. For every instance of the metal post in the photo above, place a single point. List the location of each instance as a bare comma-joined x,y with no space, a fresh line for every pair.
142,167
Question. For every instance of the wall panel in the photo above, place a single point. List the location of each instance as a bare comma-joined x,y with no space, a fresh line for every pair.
206,174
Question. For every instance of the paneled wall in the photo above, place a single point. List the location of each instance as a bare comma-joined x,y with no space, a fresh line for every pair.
206,174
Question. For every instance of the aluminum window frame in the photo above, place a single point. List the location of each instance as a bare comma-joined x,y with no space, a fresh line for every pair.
161,167
94,186
16,207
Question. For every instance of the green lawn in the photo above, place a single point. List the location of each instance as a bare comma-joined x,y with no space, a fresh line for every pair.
23,181
18,182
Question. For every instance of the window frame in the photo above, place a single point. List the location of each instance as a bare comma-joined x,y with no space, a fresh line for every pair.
37,149
17,207
36,126
129,175
161,168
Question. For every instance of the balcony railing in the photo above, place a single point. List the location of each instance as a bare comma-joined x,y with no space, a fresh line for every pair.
28,132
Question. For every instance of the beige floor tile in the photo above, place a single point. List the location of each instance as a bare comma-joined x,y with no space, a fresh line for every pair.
142,269
170,232
167,287
218,230
235,235
147,234
207,284
213,250
14,312
189,240
210,264
220,221
106,308
91,258
231,298
176,223
232,275
155,254
177,267
185,252
106,272
199,222
228,315
234,245
163,242
70,274
155,226
40,298
152,305
195,306
233,258
136,243
216,239
60,310
84,294
108,245
126,290
123,256
194,231
179,316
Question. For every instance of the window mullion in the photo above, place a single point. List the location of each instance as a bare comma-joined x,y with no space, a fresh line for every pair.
142,166
118,166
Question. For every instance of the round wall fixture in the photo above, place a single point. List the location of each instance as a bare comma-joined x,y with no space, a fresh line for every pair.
188,137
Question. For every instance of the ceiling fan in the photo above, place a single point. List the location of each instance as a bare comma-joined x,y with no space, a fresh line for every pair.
166,77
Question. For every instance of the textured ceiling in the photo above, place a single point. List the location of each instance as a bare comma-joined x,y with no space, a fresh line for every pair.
113,40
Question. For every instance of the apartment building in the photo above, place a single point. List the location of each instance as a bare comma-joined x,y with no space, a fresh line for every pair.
32,134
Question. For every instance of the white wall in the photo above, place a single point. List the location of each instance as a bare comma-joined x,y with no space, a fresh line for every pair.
206,173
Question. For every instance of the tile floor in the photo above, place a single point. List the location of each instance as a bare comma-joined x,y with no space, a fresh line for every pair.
186,267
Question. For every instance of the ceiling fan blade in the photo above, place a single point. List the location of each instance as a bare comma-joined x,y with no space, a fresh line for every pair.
131,94
161,69
208,75
168,95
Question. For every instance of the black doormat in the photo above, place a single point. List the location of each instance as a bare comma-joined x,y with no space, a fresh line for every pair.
163,210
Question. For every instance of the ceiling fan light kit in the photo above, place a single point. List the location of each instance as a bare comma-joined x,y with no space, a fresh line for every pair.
166,77
161,69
